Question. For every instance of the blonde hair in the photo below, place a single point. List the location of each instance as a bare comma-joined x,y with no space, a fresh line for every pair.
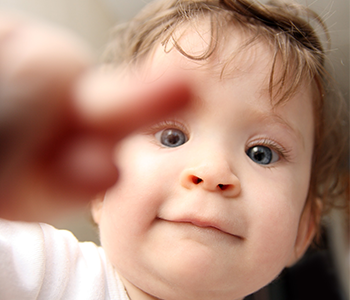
287,28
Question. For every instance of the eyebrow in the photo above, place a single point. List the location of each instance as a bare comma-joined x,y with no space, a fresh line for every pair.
271,118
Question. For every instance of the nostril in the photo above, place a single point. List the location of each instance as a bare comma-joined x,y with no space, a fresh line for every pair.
196,179
224,187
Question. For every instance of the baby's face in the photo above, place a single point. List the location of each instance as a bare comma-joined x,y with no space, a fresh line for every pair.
209,202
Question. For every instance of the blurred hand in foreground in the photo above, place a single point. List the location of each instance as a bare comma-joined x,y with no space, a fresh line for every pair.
60,119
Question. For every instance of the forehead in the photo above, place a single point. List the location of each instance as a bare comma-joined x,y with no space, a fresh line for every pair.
239,60
227,51
228,48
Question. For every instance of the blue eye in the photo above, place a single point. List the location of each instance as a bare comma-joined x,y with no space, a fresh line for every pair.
262,155
171,137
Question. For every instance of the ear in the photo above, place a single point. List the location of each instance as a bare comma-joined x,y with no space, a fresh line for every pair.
96,207
308,227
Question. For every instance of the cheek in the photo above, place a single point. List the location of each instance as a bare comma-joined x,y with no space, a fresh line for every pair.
271,241
275,209
131,206
276,228
149,174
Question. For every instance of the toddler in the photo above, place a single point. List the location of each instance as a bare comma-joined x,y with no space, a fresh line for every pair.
215,200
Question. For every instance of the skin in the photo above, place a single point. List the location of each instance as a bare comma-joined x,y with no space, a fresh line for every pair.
203,220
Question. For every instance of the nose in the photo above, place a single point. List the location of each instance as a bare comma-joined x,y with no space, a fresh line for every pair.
213,177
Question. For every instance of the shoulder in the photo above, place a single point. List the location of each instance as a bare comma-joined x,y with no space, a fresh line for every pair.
42,262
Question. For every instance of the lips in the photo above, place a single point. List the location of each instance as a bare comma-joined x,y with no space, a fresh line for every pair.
203,223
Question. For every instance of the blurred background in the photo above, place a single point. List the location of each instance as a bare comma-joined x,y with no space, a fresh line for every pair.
93,20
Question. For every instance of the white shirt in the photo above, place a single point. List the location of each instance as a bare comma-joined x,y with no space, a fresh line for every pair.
38,261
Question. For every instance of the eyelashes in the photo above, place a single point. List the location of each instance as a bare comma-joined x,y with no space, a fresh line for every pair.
168,124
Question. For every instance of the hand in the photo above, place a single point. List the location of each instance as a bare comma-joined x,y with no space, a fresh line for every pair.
60,120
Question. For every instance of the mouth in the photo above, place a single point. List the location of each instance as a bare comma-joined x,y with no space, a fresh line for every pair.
202,224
